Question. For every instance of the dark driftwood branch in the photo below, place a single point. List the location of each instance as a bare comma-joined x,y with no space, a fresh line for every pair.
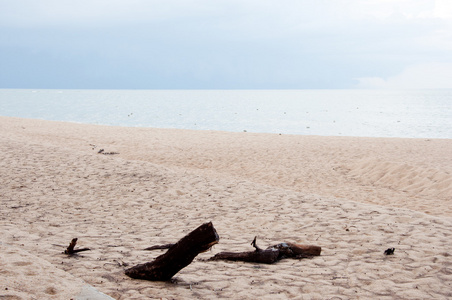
70,249
178,255
389,251
102,151
272,254
253,243
159,247
268,256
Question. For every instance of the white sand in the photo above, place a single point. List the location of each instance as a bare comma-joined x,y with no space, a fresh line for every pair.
354,197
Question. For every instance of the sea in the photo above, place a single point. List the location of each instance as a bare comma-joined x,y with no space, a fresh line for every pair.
363,113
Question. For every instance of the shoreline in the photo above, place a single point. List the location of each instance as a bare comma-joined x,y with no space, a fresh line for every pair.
225,131
354,197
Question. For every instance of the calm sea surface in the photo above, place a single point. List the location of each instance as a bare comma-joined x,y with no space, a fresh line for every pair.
373,113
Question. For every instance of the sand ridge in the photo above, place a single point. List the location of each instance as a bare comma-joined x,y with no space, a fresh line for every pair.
55,187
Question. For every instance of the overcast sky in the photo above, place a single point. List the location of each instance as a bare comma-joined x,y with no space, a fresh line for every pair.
225,44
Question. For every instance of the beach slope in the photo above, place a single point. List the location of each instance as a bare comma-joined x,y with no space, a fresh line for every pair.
354,197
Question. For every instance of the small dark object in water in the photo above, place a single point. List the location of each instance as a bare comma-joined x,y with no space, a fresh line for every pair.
389,251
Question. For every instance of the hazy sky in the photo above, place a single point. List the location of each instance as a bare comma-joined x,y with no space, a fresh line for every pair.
225,44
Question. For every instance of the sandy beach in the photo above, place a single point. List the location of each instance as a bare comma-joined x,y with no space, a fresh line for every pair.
354,197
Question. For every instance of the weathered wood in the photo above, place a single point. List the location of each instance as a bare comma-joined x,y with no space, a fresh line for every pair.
70,249
102,151
272,254
159,247
389,251
264,256
254,244
178,256
291,250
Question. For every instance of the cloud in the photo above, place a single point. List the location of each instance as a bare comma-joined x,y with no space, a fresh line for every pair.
223,43
282,13
422,76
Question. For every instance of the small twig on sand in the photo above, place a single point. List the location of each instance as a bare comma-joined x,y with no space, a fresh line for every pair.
70,249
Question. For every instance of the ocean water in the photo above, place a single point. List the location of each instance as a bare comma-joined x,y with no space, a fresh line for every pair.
371,113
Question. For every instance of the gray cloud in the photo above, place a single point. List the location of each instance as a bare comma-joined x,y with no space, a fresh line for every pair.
221,44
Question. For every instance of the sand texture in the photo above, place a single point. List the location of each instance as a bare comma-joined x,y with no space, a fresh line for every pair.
354,197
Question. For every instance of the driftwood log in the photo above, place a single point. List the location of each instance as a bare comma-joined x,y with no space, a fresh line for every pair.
272,254
178,256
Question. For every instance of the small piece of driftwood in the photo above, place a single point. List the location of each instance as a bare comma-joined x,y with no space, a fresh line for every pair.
178,256
272,254
389,251
102,151
70,249
159,247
